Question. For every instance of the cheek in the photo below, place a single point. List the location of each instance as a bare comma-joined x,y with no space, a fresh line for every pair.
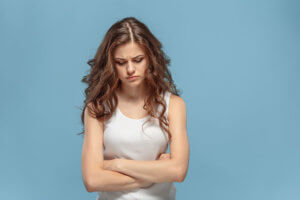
119,73
144,66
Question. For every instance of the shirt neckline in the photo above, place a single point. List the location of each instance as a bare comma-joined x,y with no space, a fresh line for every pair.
129,118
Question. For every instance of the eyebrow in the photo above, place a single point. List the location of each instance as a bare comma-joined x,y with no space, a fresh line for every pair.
133,58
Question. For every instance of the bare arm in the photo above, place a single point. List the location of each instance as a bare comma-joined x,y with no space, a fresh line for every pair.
95,178
119,182
157,171
114,181
172,170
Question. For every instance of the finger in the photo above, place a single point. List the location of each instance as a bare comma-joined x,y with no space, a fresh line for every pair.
167,156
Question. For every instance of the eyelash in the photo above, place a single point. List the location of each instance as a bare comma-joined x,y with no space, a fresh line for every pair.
138,61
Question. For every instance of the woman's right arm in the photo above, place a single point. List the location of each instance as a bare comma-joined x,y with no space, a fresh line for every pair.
95,178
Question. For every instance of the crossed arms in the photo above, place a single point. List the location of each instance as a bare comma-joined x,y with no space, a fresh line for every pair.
122,174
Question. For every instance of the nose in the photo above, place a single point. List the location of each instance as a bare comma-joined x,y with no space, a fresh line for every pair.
130,68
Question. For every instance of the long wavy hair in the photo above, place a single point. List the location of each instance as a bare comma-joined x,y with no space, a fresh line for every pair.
103,80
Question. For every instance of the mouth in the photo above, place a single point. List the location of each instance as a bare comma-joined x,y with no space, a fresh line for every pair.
131,77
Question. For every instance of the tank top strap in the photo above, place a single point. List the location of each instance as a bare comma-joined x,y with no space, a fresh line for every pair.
167,96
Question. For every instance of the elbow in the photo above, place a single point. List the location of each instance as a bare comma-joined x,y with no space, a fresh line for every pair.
92,182
89,189
180,179
181,174
88,184
92,179
91,185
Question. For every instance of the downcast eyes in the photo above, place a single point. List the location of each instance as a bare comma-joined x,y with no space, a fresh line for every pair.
122,63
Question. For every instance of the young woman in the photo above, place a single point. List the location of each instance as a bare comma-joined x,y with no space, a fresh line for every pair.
132,112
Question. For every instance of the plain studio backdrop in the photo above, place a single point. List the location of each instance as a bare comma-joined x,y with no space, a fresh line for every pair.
236,62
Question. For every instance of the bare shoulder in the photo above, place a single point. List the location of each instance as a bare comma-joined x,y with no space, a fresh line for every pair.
177,105
92,148
89,119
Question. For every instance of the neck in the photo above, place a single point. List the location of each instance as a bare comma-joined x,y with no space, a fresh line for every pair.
133,94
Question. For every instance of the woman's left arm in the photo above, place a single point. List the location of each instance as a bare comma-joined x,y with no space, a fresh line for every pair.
157,171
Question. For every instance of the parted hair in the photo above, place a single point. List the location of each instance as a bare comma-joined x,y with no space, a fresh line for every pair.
102,79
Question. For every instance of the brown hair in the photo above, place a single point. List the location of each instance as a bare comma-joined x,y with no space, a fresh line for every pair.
103,80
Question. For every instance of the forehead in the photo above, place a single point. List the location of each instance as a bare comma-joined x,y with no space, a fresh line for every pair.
128,50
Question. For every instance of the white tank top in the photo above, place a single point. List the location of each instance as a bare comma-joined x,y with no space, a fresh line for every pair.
124,138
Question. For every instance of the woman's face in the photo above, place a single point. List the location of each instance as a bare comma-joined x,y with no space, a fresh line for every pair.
131,63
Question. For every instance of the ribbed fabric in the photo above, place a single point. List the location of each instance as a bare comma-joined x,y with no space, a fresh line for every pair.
124,138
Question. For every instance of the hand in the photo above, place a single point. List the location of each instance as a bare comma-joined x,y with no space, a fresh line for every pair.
164,156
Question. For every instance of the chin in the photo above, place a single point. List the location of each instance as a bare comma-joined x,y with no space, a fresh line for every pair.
133,83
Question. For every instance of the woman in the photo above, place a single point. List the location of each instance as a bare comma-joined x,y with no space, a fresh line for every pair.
131,112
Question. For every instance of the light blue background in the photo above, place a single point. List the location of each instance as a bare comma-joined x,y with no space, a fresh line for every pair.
236,62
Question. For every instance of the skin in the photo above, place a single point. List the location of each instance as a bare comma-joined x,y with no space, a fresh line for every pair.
131,100
130,60
123,174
